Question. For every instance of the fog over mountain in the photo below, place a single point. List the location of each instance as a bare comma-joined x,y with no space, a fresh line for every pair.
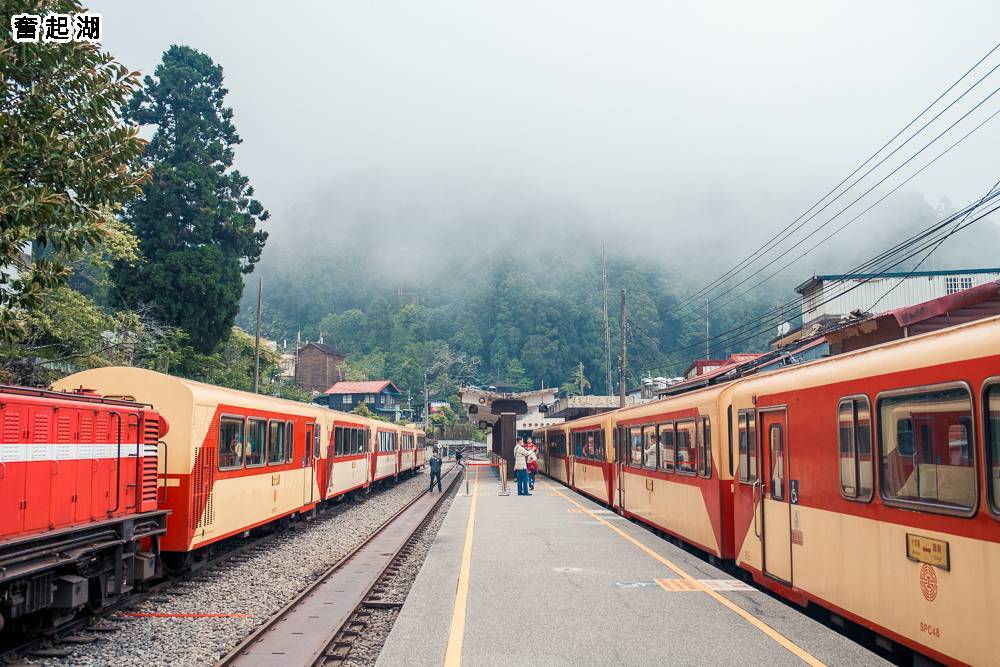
420,140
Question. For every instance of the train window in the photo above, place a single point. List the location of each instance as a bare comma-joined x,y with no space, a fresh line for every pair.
777,442
667,452
926,450
687,447
230,443
857,469
747,446
650,448
256,442
635,448
317,441
275,442
362,441
289,441
557,444
992,411
338,441
705,448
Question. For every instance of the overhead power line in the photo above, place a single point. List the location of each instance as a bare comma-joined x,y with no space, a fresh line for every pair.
767,244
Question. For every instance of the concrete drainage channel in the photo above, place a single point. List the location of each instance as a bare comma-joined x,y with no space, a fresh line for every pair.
326,621
373,622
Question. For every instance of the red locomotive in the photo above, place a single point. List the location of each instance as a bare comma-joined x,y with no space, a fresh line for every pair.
79,522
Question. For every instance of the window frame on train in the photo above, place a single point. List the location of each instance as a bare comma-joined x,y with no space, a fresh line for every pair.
669,463
289,441
557,438
280,431
746,438
887,494
704,446
259,421
859,495
779,459
691,466
242,440
635,459
991,445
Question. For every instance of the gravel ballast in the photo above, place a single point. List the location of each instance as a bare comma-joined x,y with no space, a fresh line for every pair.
245,593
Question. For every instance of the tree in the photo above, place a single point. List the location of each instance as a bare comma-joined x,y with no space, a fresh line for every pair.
197,222
68,163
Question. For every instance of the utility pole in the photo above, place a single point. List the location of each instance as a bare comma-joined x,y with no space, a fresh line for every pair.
579,377
256,346
624,364
707,354
427,401
607,325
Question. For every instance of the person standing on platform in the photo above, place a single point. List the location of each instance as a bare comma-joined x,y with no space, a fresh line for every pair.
521,468
532,463
458,456
435,465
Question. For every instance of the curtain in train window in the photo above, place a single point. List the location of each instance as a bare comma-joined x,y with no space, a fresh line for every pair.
650,447
635,449
926,448
275,442
230,443
993,442
776,440
667,456
256,442
687,447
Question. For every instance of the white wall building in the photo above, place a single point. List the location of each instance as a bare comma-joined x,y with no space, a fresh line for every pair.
879,293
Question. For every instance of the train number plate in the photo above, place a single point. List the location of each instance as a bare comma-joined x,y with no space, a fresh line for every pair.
928,550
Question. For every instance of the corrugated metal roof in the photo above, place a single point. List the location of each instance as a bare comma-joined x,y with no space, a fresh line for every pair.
361,387
891,274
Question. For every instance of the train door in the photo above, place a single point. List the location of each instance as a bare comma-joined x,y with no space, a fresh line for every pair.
13,467
309,459
40,468
619,439
776,524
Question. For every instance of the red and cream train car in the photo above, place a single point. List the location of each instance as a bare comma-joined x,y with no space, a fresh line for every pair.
79,518
234,461
866,483
869,483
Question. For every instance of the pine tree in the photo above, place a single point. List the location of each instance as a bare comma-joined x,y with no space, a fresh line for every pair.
197,222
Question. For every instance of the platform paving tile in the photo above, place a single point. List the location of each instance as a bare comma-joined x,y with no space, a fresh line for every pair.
555,587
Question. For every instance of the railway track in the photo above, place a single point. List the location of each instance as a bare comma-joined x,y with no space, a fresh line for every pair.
319,626
60,643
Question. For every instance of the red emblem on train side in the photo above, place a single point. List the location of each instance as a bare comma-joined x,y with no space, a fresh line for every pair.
928,582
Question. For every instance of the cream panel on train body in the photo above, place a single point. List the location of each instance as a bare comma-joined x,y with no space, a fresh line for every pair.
591,480
241,501
385,466
860,565
348,475
677,507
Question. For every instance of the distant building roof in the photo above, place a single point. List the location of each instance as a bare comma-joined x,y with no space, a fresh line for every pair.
814,280
968,305
361,387
323,347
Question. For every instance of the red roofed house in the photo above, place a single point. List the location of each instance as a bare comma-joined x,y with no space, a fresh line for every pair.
381,396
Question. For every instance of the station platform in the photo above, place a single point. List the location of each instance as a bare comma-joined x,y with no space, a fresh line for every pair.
556,579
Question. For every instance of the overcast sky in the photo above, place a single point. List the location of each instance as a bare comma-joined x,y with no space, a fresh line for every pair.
639,115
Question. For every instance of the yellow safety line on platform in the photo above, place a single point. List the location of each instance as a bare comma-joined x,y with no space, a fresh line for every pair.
784,641
453,656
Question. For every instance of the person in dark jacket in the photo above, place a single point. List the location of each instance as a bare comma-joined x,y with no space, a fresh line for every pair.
435,465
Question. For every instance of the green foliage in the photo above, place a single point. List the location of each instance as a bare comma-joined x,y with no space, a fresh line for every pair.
363,410
197,222
67,160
